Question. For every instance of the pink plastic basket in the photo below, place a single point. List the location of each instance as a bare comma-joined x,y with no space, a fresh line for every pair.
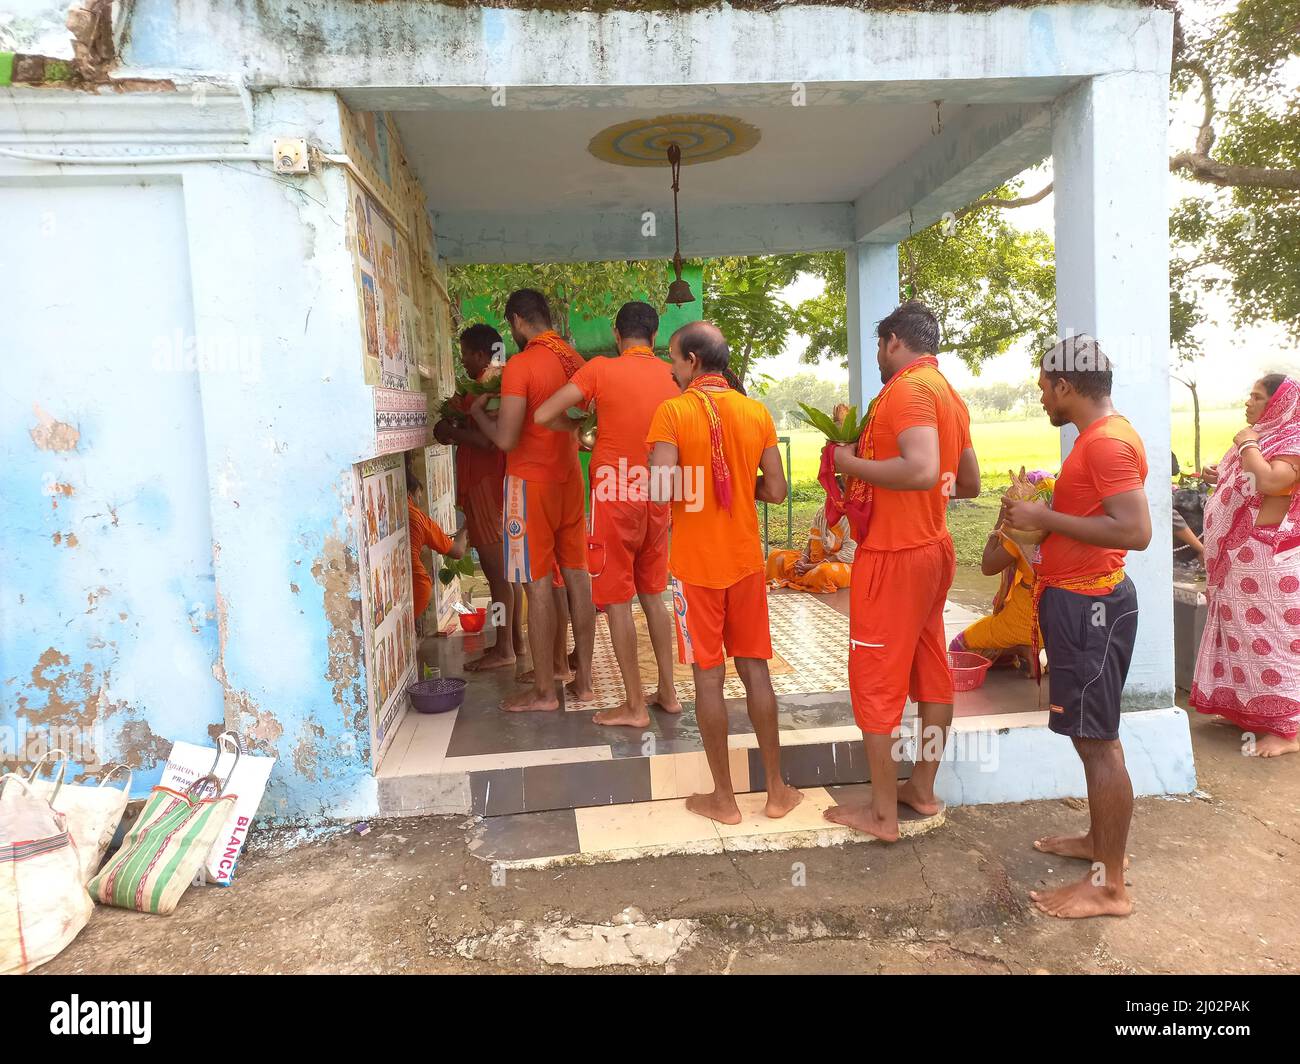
967,669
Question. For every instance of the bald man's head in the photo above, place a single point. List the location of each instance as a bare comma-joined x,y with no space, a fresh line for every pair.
698,347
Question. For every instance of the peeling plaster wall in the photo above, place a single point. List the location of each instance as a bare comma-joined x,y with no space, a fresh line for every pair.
106,582
280,451
181,407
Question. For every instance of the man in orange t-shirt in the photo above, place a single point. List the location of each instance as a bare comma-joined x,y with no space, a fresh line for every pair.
709,444
628,548
480,476
1087,610
545,519
914,455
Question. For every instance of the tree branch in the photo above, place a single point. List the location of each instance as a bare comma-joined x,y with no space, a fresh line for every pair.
998,201
1198,164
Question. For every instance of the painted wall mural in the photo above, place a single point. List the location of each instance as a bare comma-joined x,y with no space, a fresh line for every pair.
440,492
406,350
386,580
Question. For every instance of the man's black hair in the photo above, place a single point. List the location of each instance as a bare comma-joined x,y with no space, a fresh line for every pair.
1080,362
637,321
913,323
529,304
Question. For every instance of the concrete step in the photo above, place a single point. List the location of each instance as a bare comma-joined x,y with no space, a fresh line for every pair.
662,828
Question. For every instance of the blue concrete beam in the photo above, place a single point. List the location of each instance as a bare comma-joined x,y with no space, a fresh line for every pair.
586,236
970,156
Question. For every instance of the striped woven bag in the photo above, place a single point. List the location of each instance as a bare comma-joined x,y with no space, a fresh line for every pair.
165,848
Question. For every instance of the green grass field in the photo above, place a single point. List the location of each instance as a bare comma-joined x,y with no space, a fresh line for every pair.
1001,445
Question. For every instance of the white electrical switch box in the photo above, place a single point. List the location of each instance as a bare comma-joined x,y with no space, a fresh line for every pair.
290,156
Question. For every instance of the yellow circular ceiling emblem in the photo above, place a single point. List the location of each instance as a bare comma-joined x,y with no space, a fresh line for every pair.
702,138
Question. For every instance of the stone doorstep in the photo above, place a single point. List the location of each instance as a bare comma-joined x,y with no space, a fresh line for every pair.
666,828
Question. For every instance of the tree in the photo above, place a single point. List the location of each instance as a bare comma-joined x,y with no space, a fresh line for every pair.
1241,233
594,289
741,297
783,397
990,285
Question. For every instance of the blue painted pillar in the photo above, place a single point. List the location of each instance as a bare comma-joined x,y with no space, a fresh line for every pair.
871,288
1110,163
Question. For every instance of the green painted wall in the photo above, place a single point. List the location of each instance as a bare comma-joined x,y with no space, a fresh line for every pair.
595,336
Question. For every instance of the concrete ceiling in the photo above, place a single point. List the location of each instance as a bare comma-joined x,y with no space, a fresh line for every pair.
497,159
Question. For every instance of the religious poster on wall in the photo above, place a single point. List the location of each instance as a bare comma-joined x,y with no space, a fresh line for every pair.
387,609
440,495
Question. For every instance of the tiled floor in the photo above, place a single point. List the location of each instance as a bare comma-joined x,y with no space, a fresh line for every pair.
652,829
515,762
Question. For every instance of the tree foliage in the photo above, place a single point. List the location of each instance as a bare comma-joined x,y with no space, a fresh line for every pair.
742,298
594,289
1243,237
782,397
990,285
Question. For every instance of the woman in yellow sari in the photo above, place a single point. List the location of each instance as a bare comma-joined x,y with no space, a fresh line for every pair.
1008,631
823,566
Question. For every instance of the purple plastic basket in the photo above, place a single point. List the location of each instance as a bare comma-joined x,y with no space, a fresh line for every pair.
437,696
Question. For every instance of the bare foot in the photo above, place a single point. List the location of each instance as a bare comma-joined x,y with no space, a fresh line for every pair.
1276,746
529,675
490,660
1077,846
1080,900
669,704
862,818
580,694
910,796
781,799
623,716
722,808
530,701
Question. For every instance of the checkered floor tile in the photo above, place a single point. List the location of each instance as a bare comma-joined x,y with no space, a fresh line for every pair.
809,642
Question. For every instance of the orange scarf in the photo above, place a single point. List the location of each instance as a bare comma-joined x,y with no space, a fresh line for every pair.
1084,585
717,456
569,358
857,493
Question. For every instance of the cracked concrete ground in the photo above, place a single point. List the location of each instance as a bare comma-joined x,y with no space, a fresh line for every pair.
1215,880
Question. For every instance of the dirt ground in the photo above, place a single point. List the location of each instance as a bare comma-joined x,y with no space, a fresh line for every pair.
1215,880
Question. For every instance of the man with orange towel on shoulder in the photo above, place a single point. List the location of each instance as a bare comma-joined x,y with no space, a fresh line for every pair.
709,445
545,517
914,454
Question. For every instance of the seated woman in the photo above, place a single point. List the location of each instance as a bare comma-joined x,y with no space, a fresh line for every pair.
1008,631
823,566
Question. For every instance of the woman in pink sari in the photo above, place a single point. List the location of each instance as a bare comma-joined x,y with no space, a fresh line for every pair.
1248,667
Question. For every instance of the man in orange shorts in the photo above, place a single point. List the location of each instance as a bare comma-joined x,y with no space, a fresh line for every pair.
914,455
708,445
480,477
628,548
544,519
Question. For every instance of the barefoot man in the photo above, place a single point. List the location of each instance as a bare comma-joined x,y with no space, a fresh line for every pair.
708,445
544,520
480,474
1087,610
914,455
629,533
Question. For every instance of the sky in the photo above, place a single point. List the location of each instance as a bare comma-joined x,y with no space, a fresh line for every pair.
1234,357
